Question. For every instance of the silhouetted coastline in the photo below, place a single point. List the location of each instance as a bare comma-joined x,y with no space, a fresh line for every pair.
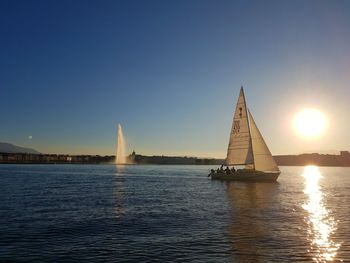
341,160
28,158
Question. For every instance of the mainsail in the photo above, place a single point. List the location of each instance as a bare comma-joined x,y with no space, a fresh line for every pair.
263,160
240,150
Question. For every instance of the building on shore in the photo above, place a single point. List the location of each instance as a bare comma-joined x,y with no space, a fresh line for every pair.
53,158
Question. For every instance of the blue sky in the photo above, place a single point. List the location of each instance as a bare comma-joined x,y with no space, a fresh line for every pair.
170,73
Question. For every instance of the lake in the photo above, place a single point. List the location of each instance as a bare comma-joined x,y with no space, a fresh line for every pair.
150,213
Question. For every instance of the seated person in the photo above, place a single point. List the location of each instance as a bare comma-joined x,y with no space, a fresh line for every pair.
212,171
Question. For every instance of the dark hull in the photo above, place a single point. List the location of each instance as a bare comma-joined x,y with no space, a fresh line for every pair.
247,176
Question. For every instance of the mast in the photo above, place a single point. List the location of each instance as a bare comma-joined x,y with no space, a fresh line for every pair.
250,135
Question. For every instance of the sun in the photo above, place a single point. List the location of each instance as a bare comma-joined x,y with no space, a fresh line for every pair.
310,123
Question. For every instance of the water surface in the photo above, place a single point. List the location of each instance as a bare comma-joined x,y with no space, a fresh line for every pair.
100,213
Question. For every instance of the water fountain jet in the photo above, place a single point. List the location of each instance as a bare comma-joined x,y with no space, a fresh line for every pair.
120,155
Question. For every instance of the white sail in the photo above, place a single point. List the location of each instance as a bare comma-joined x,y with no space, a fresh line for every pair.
263,160
239,150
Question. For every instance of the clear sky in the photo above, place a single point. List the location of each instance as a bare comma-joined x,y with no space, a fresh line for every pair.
170,73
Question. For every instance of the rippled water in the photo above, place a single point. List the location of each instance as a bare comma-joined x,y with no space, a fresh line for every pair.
98,213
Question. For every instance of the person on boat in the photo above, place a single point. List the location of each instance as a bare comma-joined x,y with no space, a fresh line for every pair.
233,170
227,170
212,171
218,170
222,168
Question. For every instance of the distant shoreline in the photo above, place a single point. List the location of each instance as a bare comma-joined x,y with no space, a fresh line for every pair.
341,160
150,164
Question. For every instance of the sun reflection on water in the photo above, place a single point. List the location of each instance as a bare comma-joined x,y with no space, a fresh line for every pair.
321,224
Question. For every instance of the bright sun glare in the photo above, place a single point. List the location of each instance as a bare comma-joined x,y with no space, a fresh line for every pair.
310,123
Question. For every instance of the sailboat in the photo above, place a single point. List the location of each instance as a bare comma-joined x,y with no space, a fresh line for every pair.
247,147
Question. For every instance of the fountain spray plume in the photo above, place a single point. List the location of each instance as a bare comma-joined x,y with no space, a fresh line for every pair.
120,158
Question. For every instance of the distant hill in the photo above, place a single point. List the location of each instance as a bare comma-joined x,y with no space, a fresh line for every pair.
11,148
